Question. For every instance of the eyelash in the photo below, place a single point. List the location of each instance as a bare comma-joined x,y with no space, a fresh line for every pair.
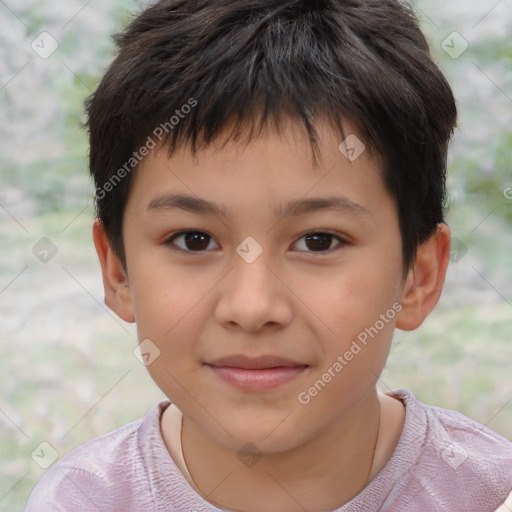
170,241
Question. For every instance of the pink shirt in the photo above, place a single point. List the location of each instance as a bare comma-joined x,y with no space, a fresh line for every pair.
443,461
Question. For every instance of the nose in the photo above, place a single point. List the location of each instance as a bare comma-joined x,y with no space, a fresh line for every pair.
254,296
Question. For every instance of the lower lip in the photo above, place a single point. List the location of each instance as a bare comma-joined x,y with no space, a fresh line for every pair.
257,380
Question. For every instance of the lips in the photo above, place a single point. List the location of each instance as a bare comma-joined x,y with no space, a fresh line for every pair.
254,363
256,374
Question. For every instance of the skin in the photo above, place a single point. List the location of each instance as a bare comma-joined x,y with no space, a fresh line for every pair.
294,301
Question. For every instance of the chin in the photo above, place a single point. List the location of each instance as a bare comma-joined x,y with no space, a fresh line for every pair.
268,434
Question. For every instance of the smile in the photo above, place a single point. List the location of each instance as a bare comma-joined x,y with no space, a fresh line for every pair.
256,374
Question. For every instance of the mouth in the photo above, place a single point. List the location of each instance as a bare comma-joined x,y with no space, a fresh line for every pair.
256,374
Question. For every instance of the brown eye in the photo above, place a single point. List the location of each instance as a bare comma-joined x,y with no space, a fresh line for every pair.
319,242
199,241
192,241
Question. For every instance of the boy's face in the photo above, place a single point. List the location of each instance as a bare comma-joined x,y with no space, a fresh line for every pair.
302,299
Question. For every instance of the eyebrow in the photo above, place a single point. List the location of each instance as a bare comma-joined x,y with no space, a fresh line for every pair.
297,207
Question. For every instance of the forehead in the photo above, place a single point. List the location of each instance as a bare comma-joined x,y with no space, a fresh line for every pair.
277,167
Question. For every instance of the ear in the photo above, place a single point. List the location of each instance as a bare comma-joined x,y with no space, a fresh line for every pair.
115,281
424,282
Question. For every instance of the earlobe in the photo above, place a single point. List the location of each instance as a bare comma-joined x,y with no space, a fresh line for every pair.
424,283
115,281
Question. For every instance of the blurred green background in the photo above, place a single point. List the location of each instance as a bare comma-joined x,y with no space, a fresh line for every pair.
67,368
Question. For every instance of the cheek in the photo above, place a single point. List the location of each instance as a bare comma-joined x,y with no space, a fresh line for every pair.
165,298
352,365
352,300
173,322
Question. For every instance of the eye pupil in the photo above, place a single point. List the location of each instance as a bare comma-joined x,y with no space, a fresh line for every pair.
195,237
319,241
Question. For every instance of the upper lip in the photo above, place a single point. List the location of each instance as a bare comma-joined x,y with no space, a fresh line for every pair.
254,363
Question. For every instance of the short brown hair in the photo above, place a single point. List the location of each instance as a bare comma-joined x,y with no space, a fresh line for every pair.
246,62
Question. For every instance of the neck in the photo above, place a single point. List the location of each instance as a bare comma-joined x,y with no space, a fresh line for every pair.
318,475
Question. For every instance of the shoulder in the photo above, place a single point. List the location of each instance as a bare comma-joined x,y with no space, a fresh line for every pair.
460,459
470,442
101,474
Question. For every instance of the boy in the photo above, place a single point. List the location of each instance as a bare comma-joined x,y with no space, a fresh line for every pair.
265,128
